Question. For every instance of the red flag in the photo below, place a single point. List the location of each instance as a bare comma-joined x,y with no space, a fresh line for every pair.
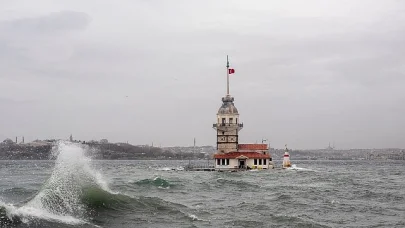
231,71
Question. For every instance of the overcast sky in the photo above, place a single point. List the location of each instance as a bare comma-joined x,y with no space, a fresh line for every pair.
307,72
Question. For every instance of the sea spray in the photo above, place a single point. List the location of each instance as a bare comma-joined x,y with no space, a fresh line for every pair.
61,197
294,167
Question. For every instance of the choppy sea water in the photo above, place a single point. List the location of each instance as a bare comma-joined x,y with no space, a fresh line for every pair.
75,191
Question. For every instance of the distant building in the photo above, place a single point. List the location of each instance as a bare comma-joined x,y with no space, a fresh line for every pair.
104,141
39,143
331,148
8,141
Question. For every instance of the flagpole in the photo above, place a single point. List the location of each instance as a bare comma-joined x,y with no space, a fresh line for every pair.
227,75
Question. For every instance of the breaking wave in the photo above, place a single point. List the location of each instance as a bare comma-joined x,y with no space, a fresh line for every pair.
73,191
76,194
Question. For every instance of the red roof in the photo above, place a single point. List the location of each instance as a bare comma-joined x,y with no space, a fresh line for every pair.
233,155
252,146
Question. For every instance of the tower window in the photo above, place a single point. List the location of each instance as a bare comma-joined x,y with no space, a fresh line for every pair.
236,120
223,161
223,120
218,162
255,161
227,161
260,161
230,120
264,162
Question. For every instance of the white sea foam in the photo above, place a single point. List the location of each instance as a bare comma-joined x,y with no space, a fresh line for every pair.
59,199
294,167
170,169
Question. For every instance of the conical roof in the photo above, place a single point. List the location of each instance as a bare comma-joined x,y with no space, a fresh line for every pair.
228,106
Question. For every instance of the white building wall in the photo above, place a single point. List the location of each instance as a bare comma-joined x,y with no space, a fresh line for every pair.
251,163
221,164
233,163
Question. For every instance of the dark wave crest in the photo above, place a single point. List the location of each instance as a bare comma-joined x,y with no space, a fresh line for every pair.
77,195
156,182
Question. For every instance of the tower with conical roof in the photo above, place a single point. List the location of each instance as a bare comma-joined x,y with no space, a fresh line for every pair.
231,155
228,124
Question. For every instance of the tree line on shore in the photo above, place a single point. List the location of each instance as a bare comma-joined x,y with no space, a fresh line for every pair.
102,151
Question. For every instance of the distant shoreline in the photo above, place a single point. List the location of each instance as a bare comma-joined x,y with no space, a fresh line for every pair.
41,150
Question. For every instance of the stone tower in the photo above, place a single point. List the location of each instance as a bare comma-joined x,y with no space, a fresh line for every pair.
228,124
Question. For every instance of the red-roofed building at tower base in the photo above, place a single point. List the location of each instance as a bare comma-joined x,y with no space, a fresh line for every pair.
230,154
248,156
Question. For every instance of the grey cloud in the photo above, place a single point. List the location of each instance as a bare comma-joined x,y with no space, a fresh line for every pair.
305,74
29,39
48,24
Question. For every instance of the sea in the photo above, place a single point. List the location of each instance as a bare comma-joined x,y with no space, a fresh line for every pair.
73,190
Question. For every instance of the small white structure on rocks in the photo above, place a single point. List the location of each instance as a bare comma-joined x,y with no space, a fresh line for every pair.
286,159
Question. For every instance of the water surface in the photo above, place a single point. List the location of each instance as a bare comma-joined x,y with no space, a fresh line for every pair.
76,191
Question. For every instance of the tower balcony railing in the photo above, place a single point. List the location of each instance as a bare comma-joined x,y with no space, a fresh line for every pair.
220,125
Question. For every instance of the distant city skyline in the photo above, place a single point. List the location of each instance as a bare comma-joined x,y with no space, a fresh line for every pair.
156,144
306,72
